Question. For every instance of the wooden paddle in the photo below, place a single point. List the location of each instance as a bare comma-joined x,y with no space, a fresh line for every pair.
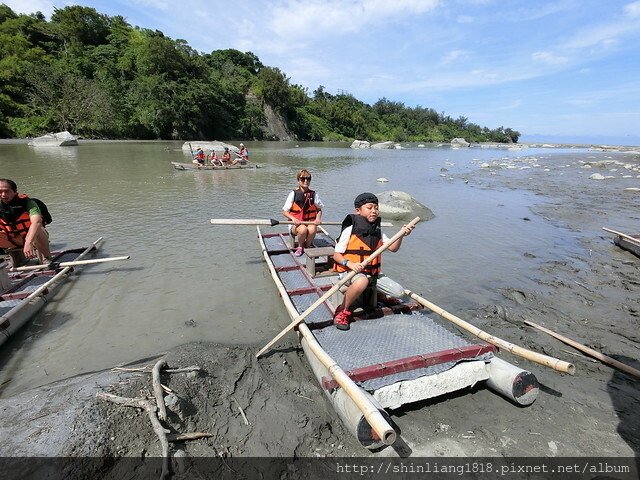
337,286
623,235
272,222
589,351
55,265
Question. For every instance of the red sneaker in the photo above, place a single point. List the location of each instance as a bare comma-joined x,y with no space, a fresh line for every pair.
341,319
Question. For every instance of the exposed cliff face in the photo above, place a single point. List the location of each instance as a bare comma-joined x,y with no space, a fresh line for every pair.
275,127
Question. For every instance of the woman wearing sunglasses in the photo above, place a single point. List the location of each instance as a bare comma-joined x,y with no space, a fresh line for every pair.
303,205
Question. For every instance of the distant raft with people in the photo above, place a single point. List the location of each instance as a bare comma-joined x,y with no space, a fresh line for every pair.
197,166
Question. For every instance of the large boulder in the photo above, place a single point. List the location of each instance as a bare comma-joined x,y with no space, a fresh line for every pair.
360,144
60,139
459,142
395,205
385,145
188,147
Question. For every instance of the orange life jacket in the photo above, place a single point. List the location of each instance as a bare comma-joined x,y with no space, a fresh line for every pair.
365,239
303,206
14,217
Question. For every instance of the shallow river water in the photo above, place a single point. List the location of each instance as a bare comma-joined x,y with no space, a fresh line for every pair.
188,280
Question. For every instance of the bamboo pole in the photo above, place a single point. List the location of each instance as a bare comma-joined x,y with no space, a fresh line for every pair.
337,286
373,416
377,422
272,222
536,357
72,263
623,235
62,273
589,351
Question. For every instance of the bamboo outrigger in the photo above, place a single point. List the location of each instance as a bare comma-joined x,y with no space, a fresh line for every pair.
393,354
25,290
630,243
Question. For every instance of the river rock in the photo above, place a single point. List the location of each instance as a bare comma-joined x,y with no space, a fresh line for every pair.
459,142
188,147
384,145
396,205
60,139
360,144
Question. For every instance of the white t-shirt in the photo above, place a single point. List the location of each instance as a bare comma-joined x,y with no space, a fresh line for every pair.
343,241
289,202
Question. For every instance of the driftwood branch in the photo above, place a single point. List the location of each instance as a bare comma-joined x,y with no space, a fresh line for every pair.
181,437
158,411
157,389
192,368
150,408
244,417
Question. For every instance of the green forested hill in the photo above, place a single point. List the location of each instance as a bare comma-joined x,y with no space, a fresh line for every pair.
99,77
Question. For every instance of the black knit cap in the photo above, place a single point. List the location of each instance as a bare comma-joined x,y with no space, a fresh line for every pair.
365,198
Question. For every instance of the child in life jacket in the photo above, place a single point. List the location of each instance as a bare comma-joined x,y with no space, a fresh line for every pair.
359,238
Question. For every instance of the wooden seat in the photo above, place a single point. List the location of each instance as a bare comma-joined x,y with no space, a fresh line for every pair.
313,253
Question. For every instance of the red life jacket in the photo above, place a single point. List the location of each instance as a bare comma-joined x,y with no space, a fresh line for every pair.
14,217
365,239
303,206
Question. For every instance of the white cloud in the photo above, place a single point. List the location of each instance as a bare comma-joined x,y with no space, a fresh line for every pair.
608,34
464,19
454,55
313,18
30,6
549,58
632,10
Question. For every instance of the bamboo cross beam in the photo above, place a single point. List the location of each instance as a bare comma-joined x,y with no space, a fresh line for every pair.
337,286
273,222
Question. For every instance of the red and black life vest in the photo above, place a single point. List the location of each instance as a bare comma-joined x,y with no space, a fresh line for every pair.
303,206
14,217
365,239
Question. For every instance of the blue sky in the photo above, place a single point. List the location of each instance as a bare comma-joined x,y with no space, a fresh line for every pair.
561,70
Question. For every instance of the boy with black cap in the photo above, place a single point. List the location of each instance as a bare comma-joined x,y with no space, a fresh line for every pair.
359,238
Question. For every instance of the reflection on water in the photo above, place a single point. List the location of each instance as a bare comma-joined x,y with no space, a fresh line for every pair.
188,280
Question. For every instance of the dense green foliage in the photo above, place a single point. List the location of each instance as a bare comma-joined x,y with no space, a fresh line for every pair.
97,76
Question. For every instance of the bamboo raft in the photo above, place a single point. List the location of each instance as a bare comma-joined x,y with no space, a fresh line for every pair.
25,290
395,352
194,166
630,243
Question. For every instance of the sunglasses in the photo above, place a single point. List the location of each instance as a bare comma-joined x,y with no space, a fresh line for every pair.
305,179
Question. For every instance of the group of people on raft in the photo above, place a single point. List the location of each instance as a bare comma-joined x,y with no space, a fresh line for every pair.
22,225
242,157
359,237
